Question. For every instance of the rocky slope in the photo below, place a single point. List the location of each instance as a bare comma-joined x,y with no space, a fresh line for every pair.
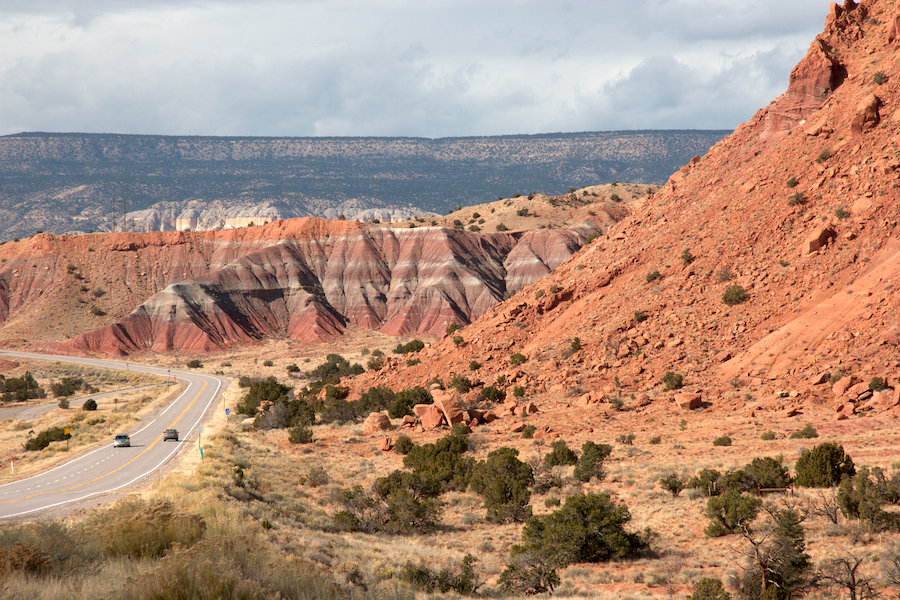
799,207
305,279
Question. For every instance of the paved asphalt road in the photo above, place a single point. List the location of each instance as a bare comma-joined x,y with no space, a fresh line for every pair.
108,469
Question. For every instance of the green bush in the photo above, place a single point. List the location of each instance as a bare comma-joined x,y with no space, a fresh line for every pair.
876,384
808,432
517,359
824,155
43,439
626,439
528,432
460,429
265,390
589,528
863,495
590,463
451,329
458,340
767,436
560,455
67,386
474,365
442,462
89,404
686,256
672,483
575,346
879,78
768,473
709,588
194,364
707,481
823,466
412,346
460,383
97,311
503,481
655,440
653,276
640,316
403,445
519,391
20,389
722,441
792,182
64,403
268,363
404,401
301,434
375,363
462,579
734,294
672,380
492,394
552,501
731,512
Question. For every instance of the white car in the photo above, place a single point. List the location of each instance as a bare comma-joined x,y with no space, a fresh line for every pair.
122,441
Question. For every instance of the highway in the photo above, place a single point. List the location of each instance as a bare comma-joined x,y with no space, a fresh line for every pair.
107,469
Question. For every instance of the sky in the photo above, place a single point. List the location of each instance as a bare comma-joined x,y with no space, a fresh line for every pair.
423,68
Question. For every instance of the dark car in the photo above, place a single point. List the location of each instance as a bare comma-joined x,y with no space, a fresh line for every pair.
122,441
170,434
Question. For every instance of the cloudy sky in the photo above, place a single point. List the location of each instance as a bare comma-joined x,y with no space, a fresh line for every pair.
430,68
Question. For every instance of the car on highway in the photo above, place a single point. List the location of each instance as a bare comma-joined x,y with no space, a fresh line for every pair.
122,441
170,434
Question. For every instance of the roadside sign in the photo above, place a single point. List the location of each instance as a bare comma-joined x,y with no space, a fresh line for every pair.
227,411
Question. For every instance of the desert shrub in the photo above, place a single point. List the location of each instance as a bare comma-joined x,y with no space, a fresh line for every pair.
588,528
403,445
462,579
503,481
792,182
413,362
591,237
67,386
686,256
458,340
89,404
140,529
63,403
194,363
575,346
20,389
841,213
807,433
653,276
501,227
442,461
590,463
734,294
709,588
707,481
460,429
672,483
460,383
292,368
824,155
517,359
722,441
375,363
301,434
640,316
451,329
412,346
730,513
768,473
767,436
655,440
264,390
268,363
43,439
539,294
823,466
863,495
333,369
518,391
876,384
528,432
375,399
474,365
560,455
626,439
336,409
404,401
879,77
97,311
672,380
528,575
492,394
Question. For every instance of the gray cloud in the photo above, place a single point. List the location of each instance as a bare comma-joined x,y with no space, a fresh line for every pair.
394,67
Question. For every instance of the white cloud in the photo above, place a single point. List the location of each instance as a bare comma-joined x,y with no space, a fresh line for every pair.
398,67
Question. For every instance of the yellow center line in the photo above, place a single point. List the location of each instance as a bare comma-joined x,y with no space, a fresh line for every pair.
147,449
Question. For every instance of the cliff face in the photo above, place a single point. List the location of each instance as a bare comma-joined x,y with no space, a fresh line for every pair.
304,278
799,207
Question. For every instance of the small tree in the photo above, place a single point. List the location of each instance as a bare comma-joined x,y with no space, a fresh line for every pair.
843,573
672,380
823,466
89,404
560,455
503,481
672,483
709,588
590,463
732,512
734,294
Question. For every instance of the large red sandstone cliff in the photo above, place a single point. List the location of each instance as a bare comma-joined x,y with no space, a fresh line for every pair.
800,207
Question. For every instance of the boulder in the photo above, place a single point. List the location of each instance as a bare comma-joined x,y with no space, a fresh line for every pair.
722,356
452,409
842,385
866,114
531,408
857,390
688,400
817,239
432,418
408,421
376,422
387,445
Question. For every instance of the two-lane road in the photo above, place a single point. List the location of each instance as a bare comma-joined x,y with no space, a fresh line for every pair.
108,469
